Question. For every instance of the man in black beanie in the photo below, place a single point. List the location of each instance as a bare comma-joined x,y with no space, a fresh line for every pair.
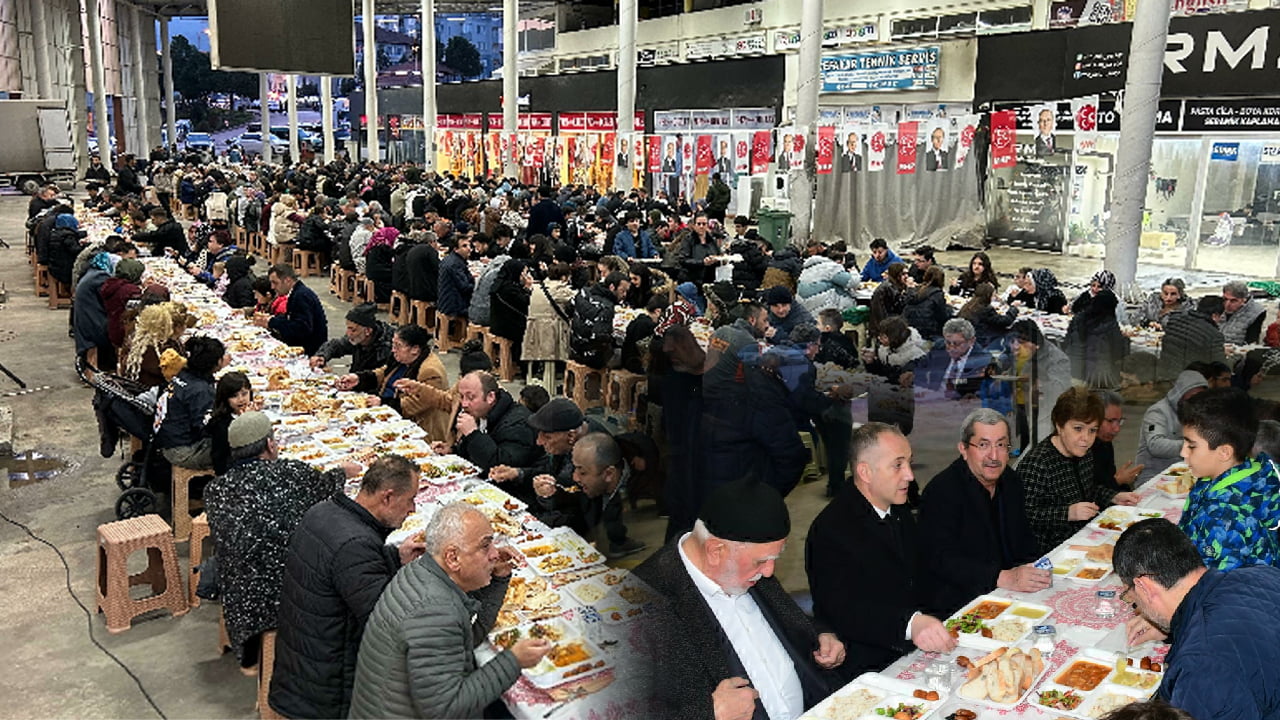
367,340
734,645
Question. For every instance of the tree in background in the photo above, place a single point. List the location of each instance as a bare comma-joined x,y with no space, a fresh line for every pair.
194,80
461,55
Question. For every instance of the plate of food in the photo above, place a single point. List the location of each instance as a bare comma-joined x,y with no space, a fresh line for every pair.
873,695
532,597
1095,682
370,416
572,656
627,601
558,551
1004,677
308,451
1176,481
1118,518
991,622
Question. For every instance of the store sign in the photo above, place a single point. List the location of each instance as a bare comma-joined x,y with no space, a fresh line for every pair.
659,55
754,44
1226,151
914,69
784,40
866,32
1168,115
1269,155
525,121
1251,115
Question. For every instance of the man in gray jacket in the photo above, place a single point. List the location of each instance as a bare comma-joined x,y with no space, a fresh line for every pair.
417,657
1160,437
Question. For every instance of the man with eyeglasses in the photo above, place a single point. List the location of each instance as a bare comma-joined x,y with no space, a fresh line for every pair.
974,533
1105,472
920,263
956,368
1221,625
697,252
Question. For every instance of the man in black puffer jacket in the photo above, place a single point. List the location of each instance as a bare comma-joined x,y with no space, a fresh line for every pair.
336,569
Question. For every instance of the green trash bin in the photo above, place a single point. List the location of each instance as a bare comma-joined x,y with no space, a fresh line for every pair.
775,227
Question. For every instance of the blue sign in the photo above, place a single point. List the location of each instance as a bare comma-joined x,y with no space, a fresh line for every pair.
913,69
1226,151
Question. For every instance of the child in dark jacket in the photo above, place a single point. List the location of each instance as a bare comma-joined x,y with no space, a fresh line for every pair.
835,346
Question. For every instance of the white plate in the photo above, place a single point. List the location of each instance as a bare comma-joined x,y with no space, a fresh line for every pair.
576,553
1123,516
976,640
884,690
1035,683
1087,566
546,674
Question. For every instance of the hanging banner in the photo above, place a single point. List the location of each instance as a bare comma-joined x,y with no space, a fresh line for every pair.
722,158
742,153
752,118
1084,114
876,147
796,151
914,69
825,150
849,139
761,151
655,153
938,150
704,162
963,129
1004,146
907,147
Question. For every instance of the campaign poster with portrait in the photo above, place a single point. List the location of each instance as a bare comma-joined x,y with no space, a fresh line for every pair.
848,148
1044,121
783,147
939,155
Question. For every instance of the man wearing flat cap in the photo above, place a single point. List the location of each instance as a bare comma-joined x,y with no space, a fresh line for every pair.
253,510
735,646
367,340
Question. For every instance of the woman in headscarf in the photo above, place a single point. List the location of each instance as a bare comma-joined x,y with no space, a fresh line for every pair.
1038,289
413,383
378,255
509,304
239,292
116,292
1094,342
89,321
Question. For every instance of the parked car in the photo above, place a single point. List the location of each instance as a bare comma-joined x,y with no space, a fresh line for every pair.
251,144
200,142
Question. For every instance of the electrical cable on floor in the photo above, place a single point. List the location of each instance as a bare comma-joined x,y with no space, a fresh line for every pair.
88,615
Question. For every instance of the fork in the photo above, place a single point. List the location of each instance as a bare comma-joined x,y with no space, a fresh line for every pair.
576,694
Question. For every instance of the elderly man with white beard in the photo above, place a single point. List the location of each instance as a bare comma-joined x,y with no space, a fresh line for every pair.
734,644
974,534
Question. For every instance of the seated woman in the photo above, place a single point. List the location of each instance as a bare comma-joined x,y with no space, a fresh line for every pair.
378,256
509,304
181,437
1170,299
980,271
413,383
1038,290
889,298
926,307
892,399
989,326
1094,341
153,334
1062,495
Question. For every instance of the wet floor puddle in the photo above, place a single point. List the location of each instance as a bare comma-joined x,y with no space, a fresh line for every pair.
31,466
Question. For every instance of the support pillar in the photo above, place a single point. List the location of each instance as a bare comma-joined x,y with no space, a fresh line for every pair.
510,84
326,121
1137,132
170,104
264,114
42,45
627,19
141,102
291,93
101,126
1197,204
370,80
428,64
809,81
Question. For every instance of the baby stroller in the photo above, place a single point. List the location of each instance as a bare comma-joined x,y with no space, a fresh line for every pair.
123,404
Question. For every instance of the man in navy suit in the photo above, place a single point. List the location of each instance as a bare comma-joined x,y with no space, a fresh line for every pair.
956,367
937,158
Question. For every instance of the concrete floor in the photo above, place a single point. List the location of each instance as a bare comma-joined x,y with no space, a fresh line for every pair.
54,670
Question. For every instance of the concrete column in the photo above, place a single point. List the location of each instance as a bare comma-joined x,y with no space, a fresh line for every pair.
101,128
627,19
291,90
170,103
1197,204
41,49
142,96
428,64
370,80
809,81
510,84
1040,14
326,121
1137,132
264,114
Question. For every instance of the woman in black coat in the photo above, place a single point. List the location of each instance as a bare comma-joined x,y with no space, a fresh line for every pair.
509,304
239,292
926,309
889,298
989,325
979,272
1094,342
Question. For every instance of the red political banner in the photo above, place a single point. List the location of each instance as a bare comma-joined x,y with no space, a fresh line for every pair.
704,161
1004,146
761,151
655,153
907,132
539,151
826,148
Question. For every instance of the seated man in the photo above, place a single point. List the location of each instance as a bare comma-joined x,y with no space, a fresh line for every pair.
1242,315
1225,642
1160,436
866,537
367,340
492,428
593,503
337,566
957,368
303,323
1233,511
416,659
1191,338
591,332
253,510
974,534
558,425
881,258
784,313
1105,472
734,643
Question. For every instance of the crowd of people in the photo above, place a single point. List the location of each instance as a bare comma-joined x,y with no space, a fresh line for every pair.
375,631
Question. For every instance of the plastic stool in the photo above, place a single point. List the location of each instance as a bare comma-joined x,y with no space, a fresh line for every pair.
621,392
422,313
118,540
400,310
307,263
576,376
501,350
199,533
266,664
449,331
478,332
182,478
